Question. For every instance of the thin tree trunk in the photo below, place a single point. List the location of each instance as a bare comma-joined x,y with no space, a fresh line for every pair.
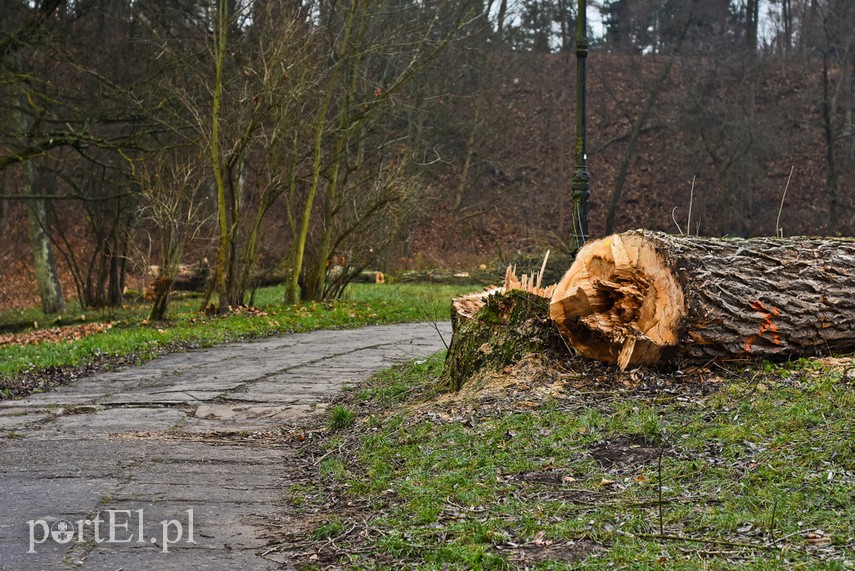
332,201
787,15
829,111
38,218
236,183
637,128
221,264
292,291
50,288
118,253
4,206
850,124
117,250
850,104
316,286
162,290
470,153
752,18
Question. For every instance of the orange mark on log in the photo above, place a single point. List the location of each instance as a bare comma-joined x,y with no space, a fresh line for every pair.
766,326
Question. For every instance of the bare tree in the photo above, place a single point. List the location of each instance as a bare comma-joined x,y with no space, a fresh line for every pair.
835,50
25,29
74,135
375,52
243,110
172,202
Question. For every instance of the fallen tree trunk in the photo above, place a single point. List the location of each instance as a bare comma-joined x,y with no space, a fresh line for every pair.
643,297
190,277
194,277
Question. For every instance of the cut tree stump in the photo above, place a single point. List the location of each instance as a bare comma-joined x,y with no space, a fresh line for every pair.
498,327
507,327
643,298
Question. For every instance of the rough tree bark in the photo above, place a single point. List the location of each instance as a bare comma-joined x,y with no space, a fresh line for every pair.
643,297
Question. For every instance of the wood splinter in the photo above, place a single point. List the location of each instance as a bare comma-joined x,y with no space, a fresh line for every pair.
466,306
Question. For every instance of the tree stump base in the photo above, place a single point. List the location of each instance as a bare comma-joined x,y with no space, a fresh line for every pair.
506,328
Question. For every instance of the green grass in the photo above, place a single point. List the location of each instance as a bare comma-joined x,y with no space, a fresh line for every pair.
328,530
131,334
340,417
754,475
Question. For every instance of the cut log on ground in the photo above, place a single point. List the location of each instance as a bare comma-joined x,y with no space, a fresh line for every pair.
643,298
189,278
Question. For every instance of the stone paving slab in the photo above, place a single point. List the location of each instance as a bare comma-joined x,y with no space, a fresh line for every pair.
190,559
169,436
114,420
8,422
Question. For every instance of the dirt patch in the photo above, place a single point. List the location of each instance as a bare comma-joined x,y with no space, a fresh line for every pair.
542,551
533,378
537,378
310,538
844,366
624,451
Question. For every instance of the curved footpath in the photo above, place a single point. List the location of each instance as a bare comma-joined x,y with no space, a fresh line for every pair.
165,466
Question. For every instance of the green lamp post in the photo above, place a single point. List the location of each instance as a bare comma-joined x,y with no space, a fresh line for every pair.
581,185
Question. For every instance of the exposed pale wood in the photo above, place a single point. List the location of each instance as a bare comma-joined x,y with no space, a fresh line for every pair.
466,306
542,269
641,297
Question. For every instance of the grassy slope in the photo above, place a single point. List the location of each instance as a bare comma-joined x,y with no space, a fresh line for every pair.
131,335
760,468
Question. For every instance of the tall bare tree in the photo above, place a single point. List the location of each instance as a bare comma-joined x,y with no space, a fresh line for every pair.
835,46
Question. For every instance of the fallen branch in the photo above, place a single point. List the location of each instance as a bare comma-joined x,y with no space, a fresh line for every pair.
706,540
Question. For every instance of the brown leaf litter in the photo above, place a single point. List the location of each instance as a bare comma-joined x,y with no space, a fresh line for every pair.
54,334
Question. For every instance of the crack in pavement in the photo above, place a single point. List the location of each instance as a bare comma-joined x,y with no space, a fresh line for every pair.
86,543
140,442
305,364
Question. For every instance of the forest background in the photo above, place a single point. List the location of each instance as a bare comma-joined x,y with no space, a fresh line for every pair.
303,141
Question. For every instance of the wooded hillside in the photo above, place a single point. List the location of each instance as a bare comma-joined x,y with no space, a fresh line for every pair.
441,136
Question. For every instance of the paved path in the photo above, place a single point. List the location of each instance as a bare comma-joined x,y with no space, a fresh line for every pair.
183,432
